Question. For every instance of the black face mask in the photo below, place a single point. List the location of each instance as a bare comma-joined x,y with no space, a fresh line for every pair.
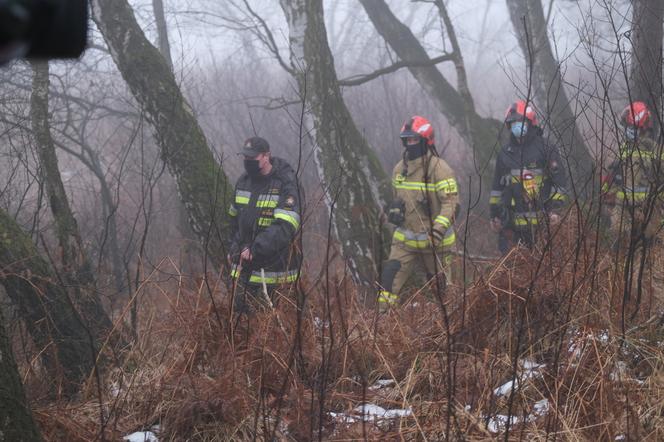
252,167
415,151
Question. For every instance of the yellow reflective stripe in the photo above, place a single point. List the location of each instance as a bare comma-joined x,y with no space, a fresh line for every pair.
449,240
414,243
387,297
494,200
232,211
444,221
523,221
242,196
270,277
448,186
266,203
637,196
558,196
264,222
289,216
414,185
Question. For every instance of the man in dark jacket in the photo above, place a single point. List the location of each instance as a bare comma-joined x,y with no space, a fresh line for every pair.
529,182
266,217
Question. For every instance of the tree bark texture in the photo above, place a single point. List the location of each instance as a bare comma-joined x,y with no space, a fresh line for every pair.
202,184
162,31
66,346
482,134
189,247
355,181
77,270
527,17
646,65
16,423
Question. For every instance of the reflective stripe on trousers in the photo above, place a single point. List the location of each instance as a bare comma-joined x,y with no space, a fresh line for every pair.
421,240
256,276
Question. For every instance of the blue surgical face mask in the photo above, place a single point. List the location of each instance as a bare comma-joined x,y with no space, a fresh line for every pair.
519,129
630,133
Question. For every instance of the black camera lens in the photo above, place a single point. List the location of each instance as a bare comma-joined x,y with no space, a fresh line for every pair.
47,29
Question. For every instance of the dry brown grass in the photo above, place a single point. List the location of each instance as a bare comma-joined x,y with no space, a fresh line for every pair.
204,377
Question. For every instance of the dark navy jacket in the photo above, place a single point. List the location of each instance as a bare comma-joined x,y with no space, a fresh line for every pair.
529,179
266,217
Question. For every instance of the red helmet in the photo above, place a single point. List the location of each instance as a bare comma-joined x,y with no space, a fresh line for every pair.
637,115
417,127
520,110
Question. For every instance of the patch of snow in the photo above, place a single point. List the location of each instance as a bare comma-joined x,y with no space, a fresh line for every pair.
374,411
541,407
530,370
382,383
530,365
369,412
141,436
503,389
497,423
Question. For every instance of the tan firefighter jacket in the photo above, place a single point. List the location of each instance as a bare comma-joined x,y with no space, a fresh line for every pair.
636,173
429,191
636,179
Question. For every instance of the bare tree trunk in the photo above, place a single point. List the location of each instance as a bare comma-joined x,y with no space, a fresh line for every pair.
77,270
65,344
202,184
646,67
16,423
189,247
355,182
480,133
162,31
528,20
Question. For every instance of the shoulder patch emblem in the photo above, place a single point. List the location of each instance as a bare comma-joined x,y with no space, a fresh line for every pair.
290,202
399,178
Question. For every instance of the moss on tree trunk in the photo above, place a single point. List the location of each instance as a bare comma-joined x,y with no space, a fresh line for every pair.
66,346
202,184
16,423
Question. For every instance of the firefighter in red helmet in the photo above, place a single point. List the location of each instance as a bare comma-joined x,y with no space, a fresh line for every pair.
423,210
529,182
633,191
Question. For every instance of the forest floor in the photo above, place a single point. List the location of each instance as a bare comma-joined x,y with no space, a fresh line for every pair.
542,344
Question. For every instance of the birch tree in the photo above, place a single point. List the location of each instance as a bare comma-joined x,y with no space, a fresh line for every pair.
354,180
202,185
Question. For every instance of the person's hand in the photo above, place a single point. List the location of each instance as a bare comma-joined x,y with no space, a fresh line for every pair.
246,255
554,218
496,225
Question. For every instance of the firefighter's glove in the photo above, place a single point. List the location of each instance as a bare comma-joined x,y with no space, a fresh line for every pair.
396,212
437,238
